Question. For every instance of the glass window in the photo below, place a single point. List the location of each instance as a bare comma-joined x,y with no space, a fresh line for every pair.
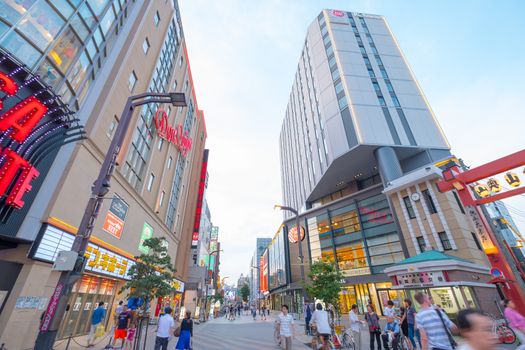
409,207
389,86
3,28
396,101
145,47
112,127
87,15
11,11
335,74
175,85
98,6
443,237
150,182
371,73
65,50
79,27
156,19
170,160
351,257
132,81
376,86
430,203
458,202
107,21
160,143
383,73
181,61
41,24
475,238
49,73
445,299
19,47
381,101
161,199
63,7
338,87
421,243
79,70
343,103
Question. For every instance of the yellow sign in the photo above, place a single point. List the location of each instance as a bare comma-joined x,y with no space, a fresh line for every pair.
494,185
481,190
512,179
107,262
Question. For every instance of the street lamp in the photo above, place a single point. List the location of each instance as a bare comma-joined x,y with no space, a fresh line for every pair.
58,301
206,283
301,257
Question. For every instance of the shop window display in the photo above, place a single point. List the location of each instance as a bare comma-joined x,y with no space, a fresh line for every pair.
65,49
444,297
350,257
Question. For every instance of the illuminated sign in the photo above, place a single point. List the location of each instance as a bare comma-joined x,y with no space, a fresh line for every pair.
178,285
338,13
200,198
174,135
486,242
98,259
263,274
30,115
292,234
146,233
418,279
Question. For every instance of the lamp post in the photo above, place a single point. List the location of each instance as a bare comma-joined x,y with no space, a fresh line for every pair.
301,257
206,284
58,301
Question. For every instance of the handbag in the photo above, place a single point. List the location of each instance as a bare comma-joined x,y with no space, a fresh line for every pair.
99,331
176,332
450,338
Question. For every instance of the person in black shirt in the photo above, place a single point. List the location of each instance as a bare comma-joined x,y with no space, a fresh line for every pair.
186,333
122,326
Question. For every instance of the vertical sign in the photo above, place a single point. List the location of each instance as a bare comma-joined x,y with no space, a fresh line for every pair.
51,308
116,216
147,233
200,198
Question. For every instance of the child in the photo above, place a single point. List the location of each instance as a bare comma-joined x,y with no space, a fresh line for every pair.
132,330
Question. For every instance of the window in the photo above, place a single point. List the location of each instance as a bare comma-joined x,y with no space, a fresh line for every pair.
112,127
186,85
161,199
150,182
396,101
132,81
410,209
376,86
459,202
343,103
175,85
430,203
145,46
338,87
170,160
371,73
157,19
443,237
421,243
180,62
475,238
389,86
160,143
381,101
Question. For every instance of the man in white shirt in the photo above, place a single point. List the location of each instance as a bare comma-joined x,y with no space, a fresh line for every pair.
164,329
355,326
321,320
286,328
389,309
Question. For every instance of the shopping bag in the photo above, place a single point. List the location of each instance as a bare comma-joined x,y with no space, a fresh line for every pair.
99,331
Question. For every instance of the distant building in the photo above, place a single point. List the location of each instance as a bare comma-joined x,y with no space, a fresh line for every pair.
261,245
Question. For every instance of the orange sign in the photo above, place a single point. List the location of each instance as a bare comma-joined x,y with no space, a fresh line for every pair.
113,225
292,234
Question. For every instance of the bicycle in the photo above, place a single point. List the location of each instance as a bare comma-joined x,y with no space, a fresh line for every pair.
347,340
503,332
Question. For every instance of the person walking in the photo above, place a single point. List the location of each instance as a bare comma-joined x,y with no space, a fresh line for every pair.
355,326
434,325
263,314
165,328
321,319
121,332
373,327
516,322
307,318
476,329
410,318
286,327
186,333
96,319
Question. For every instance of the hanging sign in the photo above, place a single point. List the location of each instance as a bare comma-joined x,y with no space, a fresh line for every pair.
174,135
114,221
293,237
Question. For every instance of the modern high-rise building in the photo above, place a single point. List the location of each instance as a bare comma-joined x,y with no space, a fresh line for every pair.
255,261
356,142
94,54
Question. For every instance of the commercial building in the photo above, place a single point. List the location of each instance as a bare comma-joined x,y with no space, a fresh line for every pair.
95,54
255,265
359,149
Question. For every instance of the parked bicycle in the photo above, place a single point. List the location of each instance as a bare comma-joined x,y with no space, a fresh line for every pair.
501,328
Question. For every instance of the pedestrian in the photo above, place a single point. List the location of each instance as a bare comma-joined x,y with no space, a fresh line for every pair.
186,333
321,319
263,315
476,329
119,308
391,333
355,326
434,325
516,321
389,309
165,328
410,319
123,320
286,327
96,320
132,330
254,312
403,320
373,327
307,318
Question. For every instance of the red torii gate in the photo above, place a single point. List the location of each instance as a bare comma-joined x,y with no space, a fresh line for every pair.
455,178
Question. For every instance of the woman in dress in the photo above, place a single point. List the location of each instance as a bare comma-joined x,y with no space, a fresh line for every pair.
373,327
186,332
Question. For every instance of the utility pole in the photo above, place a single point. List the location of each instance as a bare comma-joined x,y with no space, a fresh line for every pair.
58,301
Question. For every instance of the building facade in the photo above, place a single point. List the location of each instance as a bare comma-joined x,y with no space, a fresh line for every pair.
95,54
255,266
356,126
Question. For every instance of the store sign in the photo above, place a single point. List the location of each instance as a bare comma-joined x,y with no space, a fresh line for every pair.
293,236
481,232
174,135
420,279
52,307
338,13
200,199
178,285
114,221
356,272
146,233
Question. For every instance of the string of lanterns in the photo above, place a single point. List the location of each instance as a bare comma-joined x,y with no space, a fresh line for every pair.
493,185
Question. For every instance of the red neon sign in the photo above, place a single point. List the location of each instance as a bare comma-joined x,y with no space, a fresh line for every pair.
200,198
171,134
16,173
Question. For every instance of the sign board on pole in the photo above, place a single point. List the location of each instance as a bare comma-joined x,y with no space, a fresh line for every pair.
147,233
115,217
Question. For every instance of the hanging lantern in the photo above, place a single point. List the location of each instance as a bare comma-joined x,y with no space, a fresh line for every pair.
512,179
481,190
494,185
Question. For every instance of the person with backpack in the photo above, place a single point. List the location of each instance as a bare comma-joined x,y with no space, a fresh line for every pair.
434,326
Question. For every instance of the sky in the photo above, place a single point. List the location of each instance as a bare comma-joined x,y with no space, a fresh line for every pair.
468,56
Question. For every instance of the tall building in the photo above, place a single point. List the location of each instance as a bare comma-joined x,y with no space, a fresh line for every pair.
95,54
357,139
261,245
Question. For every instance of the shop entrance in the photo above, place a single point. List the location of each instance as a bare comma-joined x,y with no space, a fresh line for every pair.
85,296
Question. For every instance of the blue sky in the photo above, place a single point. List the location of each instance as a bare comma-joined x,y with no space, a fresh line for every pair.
468,56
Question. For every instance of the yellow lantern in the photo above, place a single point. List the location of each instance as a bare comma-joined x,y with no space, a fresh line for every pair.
494,185
512,179
481,190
